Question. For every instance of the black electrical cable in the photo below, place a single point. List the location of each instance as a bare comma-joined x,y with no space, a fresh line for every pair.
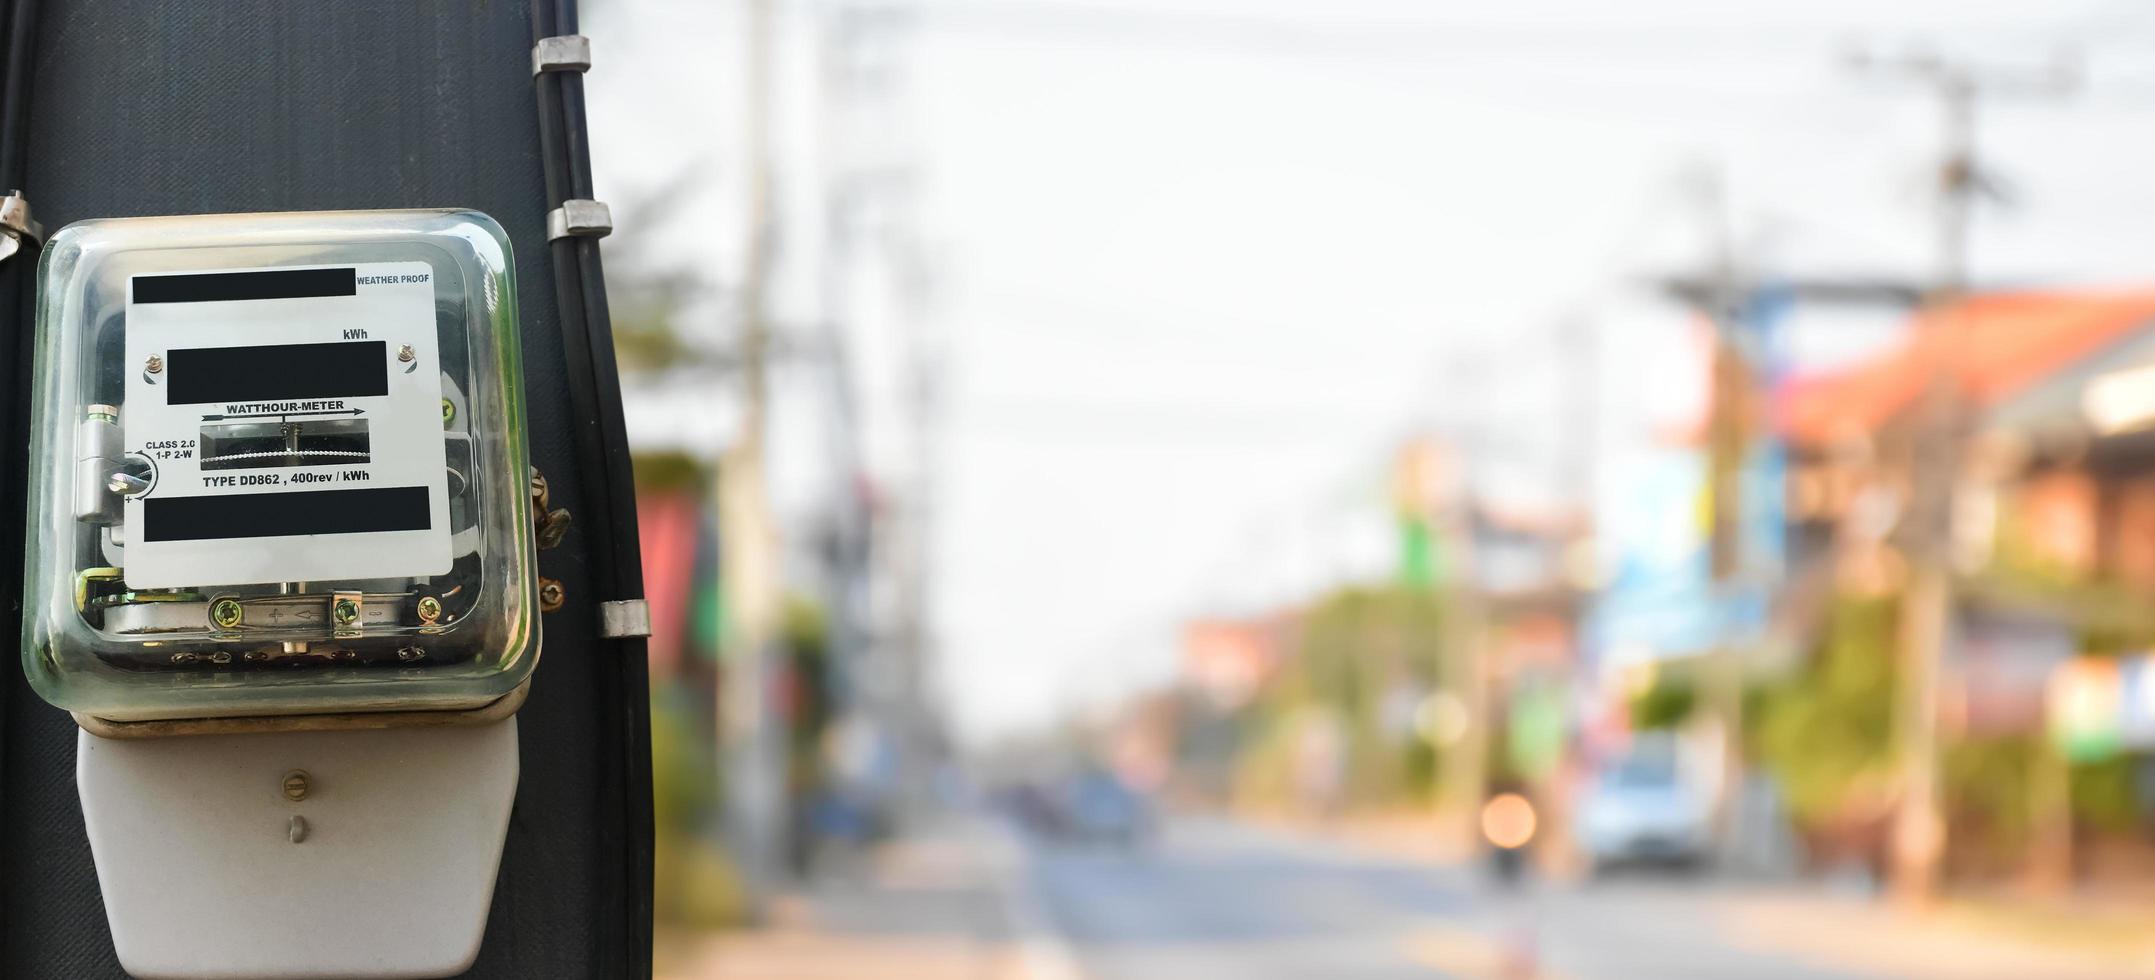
607,486
17,312
15,101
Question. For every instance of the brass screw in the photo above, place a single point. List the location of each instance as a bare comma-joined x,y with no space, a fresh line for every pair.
296,785
405,353
226,613
345,612
551,595
429,609
154,364
448,411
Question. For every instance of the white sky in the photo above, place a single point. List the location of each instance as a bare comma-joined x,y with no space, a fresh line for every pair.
1196,267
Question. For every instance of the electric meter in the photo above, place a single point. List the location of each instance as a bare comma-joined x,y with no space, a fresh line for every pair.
278,503
280,470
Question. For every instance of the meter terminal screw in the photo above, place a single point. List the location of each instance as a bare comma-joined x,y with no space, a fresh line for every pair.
153,364
429,609
551,594
411,654
296,785
226,613
220,657
405,353
345,612
185,658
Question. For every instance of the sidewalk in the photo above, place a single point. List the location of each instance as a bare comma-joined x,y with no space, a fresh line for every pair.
939,905
1973,938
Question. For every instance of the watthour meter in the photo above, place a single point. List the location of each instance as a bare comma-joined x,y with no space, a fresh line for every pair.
279,568
283,469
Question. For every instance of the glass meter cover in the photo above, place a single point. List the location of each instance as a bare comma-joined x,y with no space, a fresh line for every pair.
279,468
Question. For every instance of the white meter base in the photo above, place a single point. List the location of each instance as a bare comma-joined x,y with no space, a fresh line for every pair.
358,854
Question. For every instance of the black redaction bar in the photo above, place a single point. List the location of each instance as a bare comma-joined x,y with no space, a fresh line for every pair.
281,514
207,287
274,372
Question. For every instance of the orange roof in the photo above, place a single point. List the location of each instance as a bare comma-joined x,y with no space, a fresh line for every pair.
2001,344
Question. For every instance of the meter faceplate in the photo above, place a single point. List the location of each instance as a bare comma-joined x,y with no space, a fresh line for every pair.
298,403
283,467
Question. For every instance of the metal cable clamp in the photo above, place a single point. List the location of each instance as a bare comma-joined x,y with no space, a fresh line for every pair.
624,619
580,218
568,52
16,225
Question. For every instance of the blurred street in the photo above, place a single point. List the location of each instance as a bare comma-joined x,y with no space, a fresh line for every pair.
1711,436
1220,899
1211,897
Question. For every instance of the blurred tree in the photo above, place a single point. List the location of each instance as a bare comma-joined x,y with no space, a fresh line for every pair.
1667,703
694,885
1826,732
647,288
806,642
671,472
1367,659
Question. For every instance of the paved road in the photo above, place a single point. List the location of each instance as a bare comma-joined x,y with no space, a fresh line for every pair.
1213,899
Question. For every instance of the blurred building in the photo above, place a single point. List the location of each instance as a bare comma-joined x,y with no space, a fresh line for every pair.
2054,522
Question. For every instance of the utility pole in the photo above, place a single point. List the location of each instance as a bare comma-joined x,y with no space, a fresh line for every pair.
1464,771
851,517
872,222
748,554
1733,400
1934,456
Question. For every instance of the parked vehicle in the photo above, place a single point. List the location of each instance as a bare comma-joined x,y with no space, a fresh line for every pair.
1641,809
1096,807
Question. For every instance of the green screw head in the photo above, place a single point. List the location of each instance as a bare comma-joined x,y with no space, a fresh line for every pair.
448,411
225,613
345,612
429,609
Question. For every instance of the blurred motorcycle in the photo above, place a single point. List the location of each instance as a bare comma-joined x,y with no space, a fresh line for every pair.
1508,825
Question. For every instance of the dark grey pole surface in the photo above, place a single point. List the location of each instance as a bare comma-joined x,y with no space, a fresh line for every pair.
175,108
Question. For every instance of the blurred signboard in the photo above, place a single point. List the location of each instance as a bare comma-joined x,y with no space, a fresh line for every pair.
1659,599
2100,706
2001,663
2086,702
2136,702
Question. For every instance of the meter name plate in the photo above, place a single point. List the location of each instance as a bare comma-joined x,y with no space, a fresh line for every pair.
290,419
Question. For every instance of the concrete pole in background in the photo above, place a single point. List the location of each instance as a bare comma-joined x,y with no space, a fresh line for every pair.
1733,396
1940,428
749,746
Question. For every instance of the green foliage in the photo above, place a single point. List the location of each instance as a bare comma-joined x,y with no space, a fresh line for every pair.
646,307
1667,704
1988,782
1827,732
684,773
806,635
670,471
693,883
2103,795
1360,649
